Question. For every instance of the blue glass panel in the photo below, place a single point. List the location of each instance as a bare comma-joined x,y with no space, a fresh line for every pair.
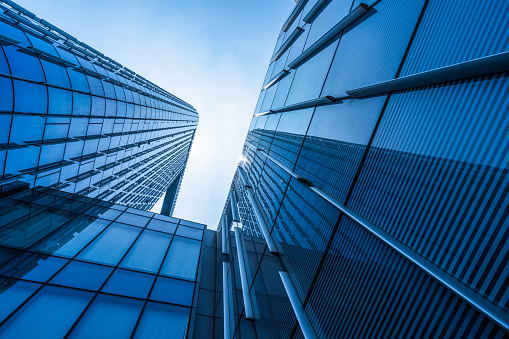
98,106
5,126
182,258
96,86
26,128
60,101
55,74
173,291
109,92
109,317
164,321
6,97
371,51
82,275
189,232
50,313
14,32
24,65
19,159
111,245
43,45
13,293
133,219
32,266
78,81
30,98
148,251
163,226
128,283
81,104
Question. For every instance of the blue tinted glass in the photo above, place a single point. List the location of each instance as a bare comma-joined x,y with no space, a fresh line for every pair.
60,101
6,98
30,98
78,81
163,226
81,239
82,275
173,291
182,258
163,321
111,245
81,104
189,232
148,251
133,219
55,74
50,313
96,86
32,267
26,129
24,65
131,284
98,106
13,293
109,317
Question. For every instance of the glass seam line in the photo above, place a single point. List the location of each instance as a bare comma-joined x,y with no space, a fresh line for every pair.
356,13
266,234
14,77
464,292
298,309
294,14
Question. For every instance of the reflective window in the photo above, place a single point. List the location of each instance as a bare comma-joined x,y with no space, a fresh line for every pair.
81,238
189,232
182,258
30,98
13,293
139,283
50,313
165,321
133,219
111,245
148,251
32,266
109,317
60,101
163,226
173,291
82,275
6,97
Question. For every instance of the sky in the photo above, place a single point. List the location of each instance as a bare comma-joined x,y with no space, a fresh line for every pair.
212,54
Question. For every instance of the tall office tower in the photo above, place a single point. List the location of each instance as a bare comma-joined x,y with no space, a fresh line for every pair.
73,119
376,171
78,267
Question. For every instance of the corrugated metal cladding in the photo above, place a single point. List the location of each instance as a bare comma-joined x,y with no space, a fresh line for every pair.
428,165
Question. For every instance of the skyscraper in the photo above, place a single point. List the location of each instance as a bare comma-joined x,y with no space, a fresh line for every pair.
373,198
72,118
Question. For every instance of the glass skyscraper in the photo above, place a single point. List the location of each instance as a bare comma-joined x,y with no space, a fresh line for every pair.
372,201
73,119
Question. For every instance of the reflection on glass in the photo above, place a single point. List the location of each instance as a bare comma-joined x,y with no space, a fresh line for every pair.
164,321
163,226
82,275
138,284
173,291
109,317
13,293
50,314
81,238
32,266
189,232
111,245
182,258
148,251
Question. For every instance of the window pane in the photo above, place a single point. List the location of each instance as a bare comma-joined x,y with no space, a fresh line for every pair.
133,219
6,98
173,291
109,317
163,226
82,275
131,284
182,258
163,321
32,266
148,251
111,245
81,239
60,101
189,232
13,293
30,98
50,314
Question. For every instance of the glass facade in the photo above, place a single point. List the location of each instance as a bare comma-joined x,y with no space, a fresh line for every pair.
72,118
78,267
375,176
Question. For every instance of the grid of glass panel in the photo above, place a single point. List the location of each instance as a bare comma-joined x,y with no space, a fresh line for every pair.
427,165
73,119
82,267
